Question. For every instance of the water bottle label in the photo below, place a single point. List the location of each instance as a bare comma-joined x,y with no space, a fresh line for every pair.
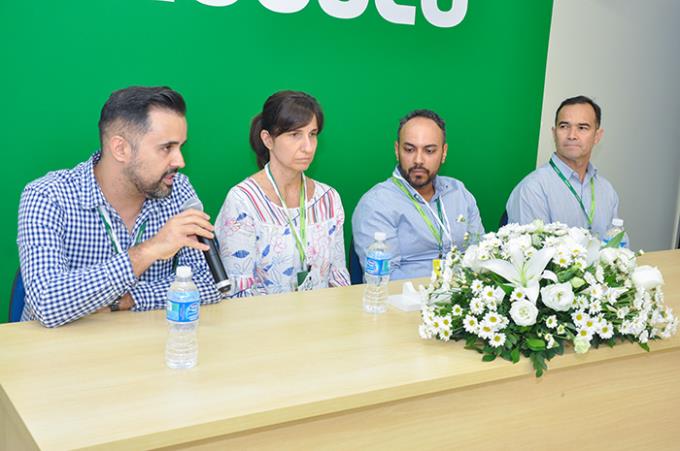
377,266
182,307
623,243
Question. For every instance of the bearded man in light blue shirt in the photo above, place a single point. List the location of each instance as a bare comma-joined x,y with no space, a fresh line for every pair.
422,214
569,188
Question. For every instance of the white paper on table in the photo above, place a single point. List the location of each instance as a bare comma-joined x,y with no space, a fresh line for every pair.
409,300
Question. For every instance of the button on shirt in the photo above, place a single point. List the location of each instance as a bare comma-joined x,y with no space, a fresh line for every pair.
69,265
385,208
543,195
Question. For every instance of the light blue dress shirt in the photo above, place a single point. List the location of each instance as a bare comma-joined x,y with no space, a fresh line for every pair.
543,195
385,208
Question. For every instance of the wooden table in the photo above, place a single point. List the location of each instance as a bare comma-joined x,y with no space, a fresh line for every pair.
312,371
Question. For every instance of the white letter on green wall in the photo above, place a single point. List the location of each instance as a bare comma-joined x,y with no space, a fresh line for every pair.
394,13
216,2
284,6
348,9
443,19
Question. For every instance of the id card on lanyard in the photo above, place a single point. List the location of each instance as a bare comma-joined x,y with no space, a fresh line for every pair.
589,216
303,279
442,222
106,220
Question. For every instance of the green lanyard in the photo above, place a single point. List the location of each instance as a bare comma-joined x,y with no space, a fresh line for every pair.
435,233
302,237
104,215
590,216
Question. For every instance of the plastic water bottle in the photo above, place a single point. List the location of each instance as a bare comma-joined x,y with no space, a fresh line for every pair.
181,348
377,275
615,229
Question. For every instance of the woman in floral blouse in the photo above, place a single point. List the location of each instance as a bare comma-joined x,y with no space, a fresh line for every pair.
278,230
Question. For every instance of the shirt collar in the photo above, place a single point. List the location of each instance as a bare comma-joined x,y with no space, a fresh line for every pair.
568,172
441,187
91,195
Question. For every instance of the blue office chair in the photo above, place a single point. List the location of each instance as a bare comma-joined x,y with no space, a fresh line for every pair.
17,299
356,274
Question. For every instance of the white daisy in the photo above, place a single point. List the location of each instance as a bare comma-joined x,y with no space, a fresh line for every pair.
561,330
494,319
551,322
470,324
517,295
443,322
595,308
425,332
488,293
585,334
477,286
579,317
456,310
550,341
486,330
477,306
606,331
497,339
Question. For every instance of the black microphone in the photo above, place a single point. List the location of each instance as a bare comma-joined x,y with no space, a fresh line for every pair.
212,255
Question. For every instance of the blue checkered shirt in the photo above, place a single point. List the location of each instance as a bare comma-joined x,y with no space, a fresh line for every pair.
69,265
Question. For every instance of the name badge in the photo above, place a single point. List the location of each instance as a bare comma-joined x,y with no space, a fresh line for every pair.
437,265
303,280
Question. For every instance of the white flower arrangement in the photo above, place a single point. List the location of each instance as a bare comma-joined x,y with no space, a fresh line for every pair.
528,290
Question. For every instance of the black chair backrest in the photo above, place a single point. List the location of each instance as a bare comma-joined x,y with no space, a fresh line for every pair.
356,274
504,219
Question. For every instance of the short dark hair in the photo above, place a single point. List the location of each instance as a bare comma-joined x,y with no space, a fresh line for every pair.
580,100
428,114
282,112
130,107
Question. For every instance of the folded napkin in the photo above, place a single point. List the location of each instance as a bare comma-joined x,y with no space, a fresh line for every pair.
409,300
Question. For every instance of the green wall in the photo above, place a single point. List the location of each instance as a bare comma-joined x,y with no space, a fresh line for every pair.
61,59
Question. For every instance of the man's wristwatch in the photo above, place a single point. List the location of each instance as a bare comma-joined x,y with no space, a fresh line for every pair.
115,306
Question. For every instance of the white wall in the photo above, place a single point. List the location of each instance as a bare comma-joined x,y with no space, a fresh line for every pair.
624,54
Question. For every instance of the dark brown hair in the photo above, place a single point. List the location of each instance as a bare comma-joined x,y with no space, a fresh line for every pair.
281,113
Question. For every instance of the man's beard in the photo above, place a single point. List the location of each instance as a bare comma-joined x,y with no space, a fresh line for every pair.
156,190
411,181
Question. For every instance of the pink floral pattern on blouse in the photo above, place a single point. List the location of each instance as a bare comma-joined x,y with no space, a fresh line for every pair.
258,249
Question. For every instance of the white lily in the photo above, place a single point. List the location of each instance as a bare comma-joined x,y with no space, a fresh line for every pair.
522,273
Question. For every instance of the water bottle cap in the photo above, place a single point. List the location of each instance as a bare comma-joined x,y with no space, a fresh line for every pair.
617,222
379,236
184,271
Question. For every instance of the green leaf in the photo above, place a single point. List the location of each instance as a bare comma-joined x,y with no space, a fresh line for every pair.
644,346
566,275
489,357
577,282
538,361
616,241
535,344
514,355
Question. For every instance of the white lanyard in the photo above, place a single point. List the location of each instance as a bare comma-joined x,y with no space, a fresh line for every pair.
106,219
